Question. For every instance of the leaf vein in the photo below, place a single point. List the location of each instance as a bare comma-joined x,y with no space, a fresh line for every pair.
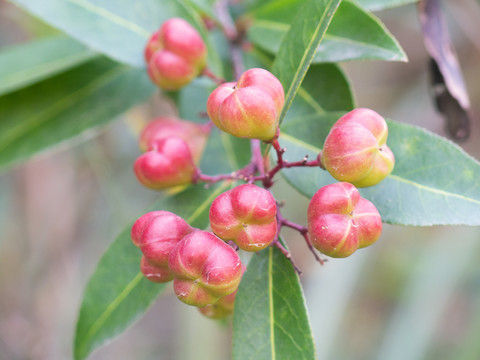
110,309
114,18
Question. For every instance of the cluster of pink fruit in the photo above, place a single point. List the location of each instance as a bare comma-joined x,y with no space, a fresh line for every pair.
204,266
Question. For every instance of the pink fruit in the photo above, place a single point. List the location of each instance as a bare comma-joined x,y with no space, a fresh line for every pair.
249,108
223,307
175,54
195,135
355,150
247,215
205,268
168,163
340,221
158,274
156,233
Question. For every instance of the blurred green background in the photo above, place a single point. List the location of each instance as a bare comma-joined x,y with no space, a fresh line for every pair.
414,295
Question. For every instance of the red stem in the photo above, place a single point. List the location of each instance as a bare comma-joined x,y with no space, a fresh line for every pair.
218,80
302,230
285,252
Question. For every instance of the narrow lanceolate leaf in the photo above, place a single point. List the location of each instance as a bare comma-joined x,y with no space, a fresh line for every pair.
60,108
434,181
270,320
117,293
376,5
118,29
354,33
26,64
299,45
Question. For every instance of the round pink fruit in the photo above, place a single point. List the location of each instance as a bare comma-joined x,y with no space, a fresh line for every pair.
340,221
245,214
355,150
249,108
195,135
175,54
205,268
168,163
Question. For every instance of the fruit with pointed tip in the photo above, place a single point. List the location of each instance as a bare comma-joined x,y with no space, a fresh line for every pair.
340,221
205,269
249,108
245,214
168,163
175,54
355,150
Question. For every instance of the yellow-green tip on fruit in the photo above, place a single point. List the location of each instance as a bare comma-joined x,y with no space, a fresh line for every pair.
355,150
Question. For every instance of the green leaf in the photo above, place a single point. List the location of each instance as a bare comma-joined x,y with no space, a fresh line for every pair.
204,7
324,89
270,320
353,34
118,29
60,108
299,45
434,181
376,5
117,293
26,64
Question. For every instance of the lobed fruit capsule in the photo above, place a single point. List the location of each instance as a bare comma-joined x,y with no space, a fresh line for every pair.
223,307
168,163
154,273
355,150
249,108
245,214
175,54
195,135
205,268
156,233
340,221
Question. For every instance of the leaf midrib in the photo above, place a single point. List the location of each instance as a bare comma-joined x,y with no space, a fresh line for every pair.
304,57
113,18
56,108
45,67
138,277
108,311
278,26
270,302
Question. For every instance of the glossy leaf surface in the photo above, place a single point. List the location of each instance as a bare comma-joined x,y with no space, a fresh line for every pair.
118,29
65,106
434,181
117,293
26,64
270,320
353,34
299,45
376,5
